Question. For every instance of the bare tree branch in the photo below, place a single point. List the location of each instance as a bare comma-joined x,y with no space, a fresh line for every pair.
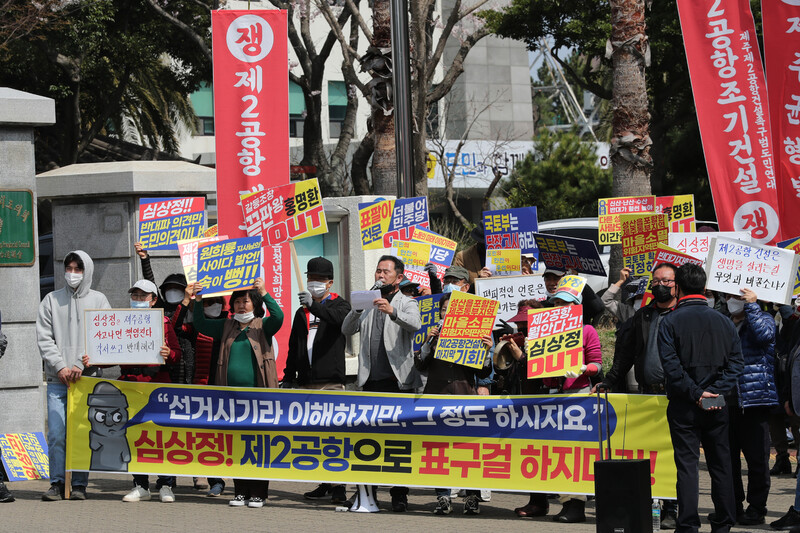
457,66
188,31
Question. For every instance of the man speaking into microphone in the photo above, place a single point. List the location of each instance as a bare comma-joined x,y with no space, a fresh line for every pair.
386,358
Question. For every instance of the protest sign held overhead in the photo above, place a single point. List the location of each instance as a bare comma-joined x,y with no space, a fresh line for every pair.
509,290
469,319
225,266
555,341
285,213
572,284
188,252
769,271
698,244
414,255
679,211
565,253
24,456
504,262
365,438
511,228
429,312
165,221
610,209
640,237
385,220
124,336
443,250
665,254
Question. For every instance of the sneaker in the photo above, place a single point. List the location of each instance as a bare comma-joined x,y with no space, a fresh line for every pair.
400,503
78,492
669,520
444,507
5,495
238,501
216,490
198,485
137,494
165,494
338,495
255,502
486,495
54,493
320,492
788,521
472,505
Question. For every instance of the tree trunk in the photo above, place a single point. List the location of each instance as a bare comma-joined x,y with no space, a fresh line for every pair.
630,143
384,159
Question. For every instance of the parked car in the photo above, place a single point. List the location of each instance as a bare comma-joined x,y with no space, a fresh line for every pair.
580,228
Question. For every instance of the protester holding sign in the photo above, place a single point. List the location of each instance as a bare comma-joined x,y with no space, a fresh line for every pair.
316,346
246,359
750,407
59,329
474,257
445,377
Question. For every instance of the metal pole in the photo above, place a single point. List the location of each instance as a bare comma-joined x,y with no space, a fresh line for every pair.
401,81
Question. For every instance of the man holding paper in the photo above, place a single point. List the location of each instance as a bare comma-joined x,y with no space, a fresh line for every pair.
386,357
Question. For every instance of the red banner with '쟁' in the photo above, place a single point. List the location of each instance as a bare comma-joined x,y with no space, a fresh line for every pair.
781,26
251,122
730,98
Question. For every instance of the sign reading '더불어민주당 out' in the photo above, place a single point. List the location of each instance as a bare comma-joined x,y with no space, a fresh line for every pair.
383,221
124,336
518,443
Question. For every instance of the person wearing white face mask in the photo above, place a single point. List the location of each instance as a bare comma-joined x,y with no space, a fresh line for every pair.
316,347
60,335
246,358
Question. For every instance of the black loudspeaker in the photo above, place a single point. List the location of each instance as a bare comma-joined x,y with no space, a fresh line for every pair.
623,500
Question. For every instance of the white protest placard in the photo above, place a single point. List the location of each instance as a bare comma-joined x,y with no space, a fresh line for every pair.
362,300
509,290
697,243
124,336
767,270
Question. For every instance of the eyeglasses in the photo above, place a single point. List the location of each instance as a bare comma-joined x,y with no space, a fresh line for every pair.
664,282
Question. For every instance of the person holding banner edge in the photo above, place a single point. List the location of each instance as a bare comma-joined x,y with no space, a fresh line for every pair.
61,341
245,359
386,356
316,347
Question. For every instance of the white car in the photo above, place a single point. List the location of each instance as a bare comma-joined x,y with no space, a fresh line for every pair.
580,228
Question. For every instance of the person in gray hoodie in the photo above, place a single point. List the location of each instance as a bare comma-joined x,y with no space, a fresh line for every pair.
60,334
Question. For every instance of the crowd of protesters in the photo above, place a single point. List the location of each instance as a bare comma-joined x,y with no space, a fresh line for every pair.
729,365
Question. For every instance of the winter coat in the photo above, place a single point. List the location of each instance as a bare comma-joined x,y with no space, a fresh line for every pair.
756,385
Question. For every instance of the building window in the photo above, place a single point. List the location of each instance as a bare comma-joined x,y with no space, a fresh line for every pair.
337,106
297,110
203,103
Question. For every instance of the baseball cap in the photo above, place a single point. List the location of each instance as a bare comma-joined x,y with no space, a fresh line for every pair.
407,284
457,272
568,297
319,266
146,286
555,272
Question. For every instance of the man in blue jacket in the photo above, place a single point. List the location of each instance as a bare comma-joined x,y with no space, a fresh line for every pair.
750,404
701,355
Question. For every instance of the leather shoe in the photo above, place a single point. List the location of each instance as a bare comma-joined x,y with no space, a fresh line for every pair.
531,510
751,517
572,512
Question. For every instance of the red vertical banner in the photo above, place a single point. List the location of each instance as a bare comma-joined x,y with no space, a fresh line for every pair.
251,122
781,27
731,101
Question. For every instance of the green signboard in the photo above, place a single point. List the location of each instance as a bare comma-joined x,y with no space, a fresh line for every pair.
17,243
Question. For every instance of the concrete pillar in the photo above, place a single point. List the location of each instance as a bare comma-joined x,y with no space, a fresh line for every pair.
21,390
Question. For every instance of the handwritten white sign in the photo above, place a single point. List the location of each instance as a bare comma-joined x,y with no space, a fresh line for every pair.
124,336
509,290
697,243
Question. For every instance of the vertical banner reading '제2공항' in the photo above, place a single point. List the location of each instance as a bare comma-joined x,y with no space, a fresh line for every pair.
731,100
251,121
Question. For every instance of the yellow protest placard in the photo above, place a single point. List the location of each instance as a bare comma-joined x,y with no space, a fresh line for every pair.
413,254
640,237
679,210
504,261
469,318
609,210
517,443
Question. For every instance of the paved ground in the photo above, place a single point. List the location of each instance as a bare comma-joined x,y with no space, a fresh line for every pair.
286,511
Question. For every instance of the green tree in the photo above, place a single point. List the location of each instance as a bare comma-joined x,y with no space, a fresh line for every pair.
114,68
561,178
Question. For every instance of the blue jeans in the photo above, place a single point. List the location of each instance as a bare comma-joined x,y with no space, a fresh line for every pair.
57,435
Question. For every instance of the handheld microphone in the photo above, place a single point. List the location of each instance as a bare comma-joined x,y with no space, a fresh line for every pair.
378,285
439,325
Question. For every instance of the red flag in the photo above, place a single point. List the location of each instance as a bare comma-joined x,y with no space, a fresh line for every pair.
781,26
730,98
251,121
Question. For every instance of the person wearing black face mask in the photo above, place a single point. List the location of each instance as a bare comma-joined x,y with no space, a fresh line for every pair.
637,347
